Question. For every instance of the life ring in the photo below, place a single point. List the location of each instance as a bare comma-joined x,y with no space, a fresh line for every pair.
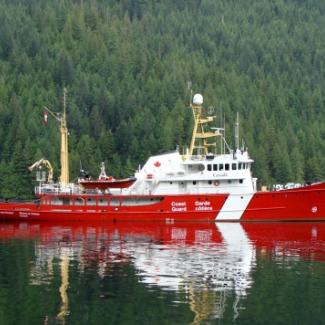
216,183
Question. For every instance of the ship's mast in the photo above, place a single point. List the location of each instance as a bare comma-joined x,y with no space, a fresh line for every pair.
200,137
64,179
64,158
237,133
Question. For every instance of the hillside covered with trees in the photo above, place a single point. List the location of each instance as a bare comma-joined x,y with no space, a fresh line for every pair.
127,66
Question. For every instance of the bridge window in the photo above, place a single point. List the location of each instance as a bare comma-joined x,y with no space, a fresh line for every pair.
196,167
239,165
215,167
227,166
209,167
234,166
220,167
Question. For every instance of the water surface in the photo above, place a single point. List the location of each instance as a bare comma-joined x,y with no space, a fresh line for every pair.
142,273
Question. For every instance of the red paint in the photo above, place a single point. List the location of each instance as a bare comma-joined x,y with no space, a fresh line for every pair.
297,239
302,204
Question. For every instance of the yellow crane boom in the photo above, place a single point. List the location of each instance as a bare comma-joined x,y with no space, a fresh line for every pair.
45,163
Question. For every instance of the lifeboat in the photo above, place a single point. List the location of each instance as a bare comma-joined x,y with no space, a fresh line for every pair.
105,182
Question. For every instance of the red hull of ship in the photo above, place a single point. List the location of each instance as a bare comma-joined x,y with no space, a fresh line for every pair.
303,204
169,208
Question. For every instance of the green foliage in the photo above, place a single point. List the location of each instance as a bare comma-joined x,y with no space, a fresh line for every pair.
127,65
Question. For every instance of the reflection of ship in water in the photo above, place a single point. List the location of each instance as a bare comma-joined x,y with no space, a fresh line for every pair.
206,262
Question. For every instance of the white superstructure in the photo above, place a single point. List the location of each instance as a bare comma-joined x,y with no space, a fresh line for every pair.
200,170
173,173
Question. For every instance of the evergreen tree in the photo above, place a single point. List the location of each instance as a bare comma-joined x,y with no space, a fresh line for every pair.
127,66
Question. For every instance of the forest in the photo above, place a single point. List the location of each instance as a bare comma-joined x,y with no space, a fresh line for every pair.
129,66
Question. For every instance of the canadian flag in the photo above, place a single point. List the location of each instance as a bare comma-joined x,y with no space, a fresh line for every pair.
46,116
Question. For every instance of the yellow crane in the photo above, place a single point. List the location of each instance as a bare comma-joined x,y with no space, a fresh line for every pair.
62,119
43,162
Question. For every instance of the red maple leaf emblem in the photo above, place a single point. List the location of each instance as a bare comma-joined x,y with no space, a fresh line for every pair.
157,164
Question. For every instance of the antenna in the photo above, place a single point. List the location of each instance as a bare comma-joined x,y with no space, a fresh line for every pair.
224,128
237,133
189,87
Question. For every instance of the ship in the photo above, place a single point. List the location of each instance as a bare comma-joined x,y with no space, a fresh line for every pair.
207,182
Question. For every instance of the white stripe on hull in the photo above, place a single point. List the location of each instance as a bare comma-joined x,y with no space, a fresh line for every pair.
234,207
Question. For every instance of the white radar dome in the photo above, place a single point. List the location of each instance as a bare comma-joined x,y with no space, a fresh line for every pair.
197,99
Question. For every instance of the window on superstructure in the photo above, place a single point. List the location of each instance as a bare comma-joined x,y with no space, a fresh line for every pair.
79,201
103,202
234,166
91,201
209,167
241,181
215,167
56,201
239,165
220,167
67,201
114,202
227,166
